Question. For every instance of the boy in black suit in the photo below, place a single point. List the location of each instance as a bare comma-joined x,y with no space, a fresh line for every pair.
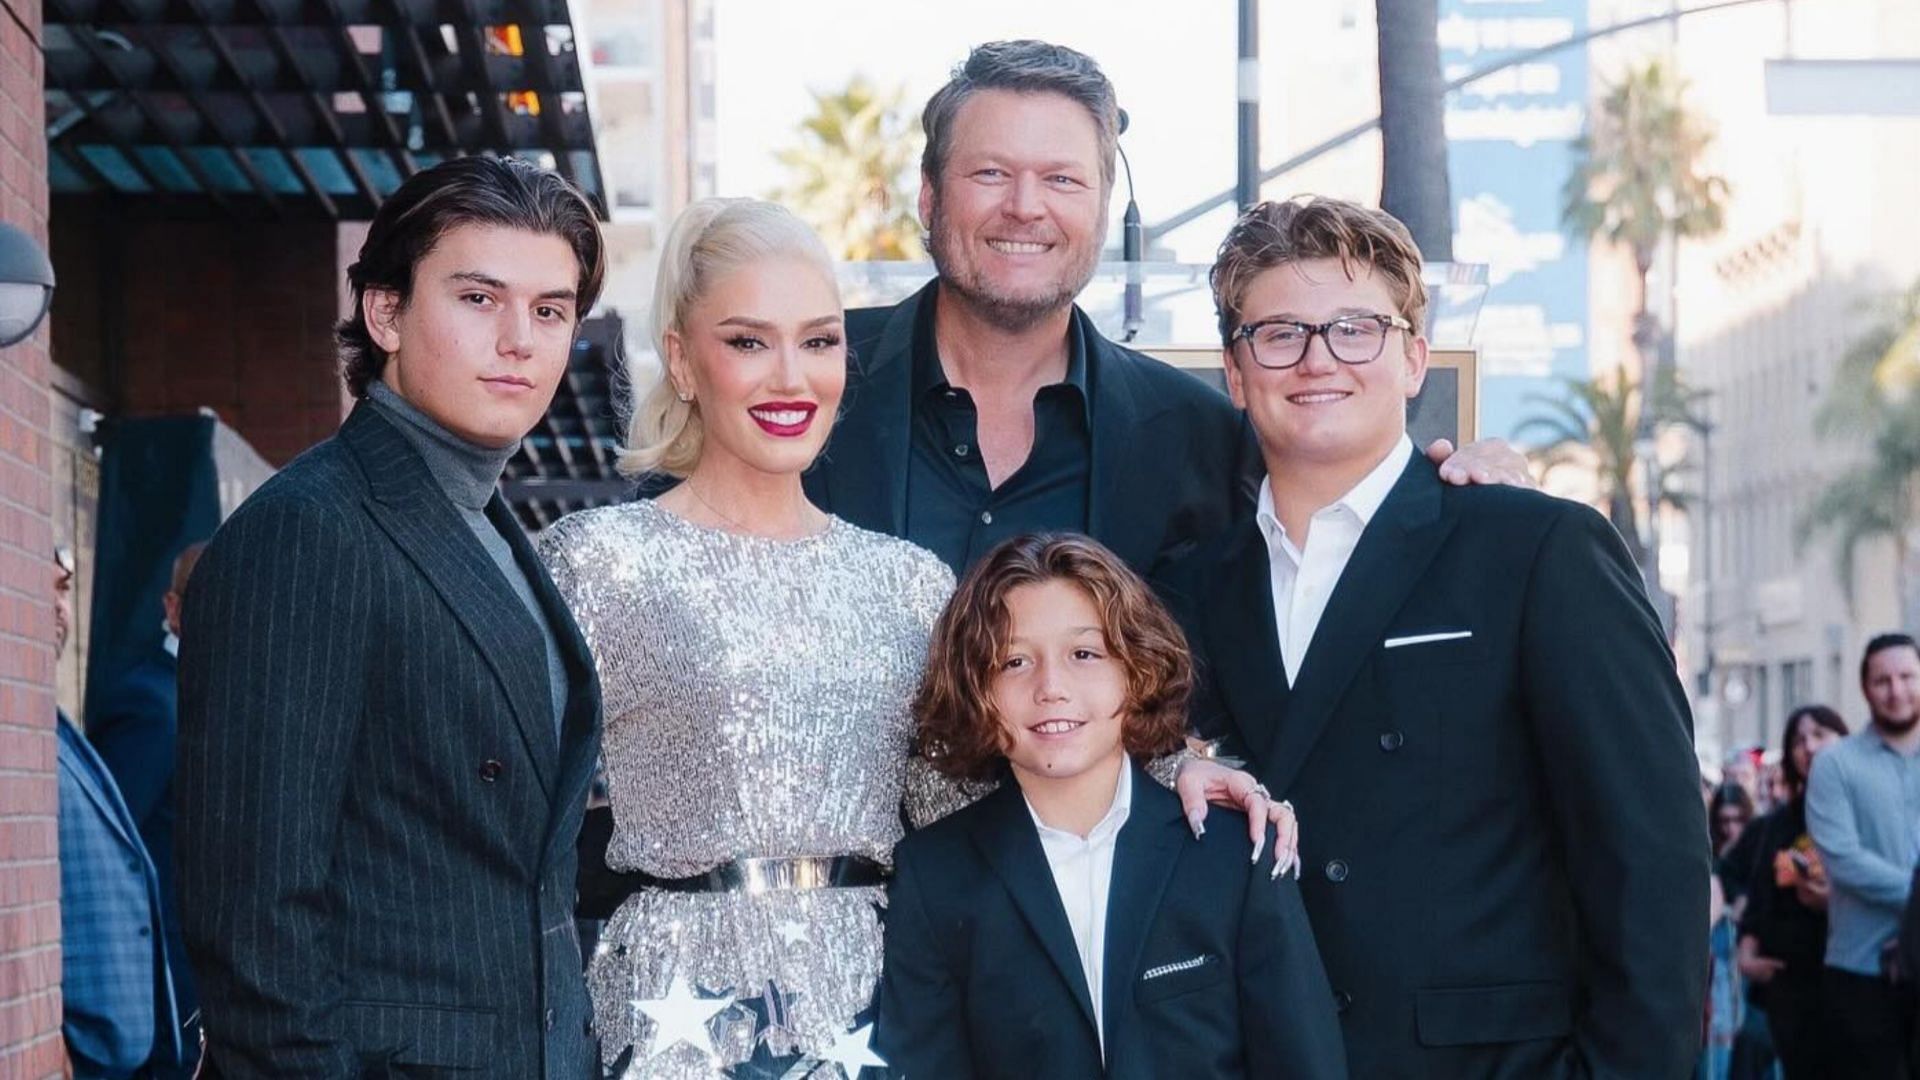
1464,690
1067,925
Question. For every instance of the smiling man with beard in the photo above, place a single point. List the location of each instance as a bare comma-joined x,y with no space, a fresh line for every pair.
1863,812
988,405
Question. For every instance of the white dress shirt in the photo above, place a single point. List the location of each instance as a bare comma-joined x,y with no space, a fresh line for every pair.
1082,872
1303,581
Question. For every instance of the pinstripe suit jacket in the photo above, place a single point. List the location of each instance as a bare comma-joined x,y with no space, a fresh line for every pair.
376,816
116,998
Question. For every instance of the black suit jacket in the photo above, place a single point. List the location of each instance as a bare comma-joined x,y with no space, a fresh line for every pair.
1173,461
376,818
1506,858
1210,970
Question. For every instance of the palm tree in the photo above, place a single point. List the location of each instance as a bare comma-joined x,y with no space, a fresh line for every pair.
1873,403
1596,423
1639,176
849,170
1413,136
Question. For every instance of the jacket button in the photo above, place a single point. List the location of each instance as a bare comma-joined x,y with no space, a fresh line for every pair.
1337,870
490,770
549,1019
1392,741
1342,1001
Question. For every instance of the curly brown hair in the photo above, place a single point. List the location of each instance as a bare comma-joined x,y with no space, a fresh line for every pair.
960,730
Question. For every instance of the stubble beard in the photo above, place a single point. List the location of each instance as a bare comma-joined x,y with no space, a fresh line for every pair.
1011,314
1893,726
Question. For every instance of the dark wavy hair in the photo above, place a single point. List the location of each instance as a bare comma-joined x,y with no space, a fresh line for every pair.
960,730
1818,714
504,192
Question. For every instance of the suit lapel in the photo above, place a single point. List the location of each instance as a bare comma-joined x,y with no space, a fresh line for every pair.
91,774
864,466
1007,838
1144,856
1124,459
1243,643
1394,551
409,506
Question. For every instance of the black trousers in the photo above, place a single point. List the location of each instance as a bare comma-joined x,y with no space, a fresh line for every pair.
1797,1018
1869,1027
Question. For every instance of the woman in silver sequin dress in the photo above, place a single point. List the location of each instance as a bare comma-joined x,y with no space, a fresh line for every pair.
757,658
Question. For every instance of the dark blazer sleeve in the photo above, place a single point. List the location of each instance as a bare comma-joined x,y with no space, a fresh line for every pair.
279,624
1615,741
922,1029
1286,1006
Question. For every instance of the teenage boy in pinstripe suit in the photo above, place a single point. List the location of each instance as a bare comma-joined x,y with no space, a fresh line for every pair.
388,718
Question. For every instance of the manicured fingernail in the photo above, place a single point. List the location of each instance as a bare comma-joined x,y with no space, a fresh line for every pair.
1198,825
1259,846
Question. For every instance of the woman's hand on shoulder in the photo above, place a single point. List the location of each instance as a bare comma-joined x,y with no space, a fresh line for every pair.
1202,781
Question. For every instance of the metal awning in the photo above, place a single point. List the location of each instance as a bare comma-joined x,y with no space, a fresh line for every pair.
566,463
304,108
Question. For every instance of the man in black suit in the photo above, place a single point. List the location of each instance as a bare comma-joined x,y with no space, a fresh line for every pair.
988,405
1463,690
388,718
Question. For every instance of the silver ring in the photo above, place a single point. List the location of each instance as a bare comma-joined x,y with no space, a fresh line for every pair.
1261,790
1286,805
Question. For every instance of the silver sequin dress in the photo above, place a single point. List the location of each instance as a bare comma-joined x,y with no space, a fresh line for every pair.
756,704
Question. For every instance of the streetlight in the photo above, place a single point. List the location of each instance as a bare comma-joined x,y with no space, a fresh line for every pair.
26,285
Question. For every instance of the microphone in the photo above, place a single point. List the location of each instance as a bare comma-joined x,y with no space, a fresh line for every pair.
1132,240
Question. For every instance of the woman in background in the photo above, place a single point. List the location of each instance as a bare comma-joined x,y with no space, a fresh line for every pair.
1783,932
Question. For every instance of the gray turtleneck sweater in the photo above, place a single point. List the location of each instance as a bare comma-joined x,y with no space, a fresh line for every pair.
469,474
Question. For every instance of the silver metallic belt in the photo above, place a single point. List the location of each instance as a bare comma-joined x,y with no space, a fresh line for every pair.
755,876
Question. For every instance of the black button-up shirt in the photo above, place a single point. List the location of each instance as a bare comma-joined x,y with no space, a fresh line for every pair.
952,510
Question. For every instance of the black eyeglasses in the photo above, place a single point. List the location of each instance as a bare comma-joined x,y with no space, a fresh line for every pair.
1278,344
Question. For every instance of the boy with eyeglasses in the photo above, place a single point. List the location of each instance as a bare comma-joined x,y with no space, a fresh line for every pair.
1463,690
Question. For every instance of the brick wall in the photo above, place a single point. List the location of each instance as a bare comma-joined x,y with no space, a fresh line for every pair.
241,321
29,874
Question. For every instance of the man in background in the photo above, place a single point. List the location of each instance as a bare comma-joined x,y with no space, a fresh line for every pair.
118,1016
134,726
1863,812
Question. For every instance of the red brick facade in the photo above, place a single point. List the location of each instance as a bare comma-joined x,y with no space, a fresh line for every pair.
241,322
29,874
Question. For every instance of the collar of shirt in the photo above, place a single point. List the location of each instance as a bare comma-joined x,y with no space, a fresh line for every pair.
930,377
1363,501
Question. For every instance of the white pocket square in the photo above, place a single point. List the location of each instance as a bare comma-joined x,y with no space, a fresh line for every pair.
1176,968
1426,639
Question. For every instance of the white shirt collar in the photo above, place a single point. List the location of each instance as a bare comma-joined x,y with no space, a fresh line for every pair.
1109,825
1363,500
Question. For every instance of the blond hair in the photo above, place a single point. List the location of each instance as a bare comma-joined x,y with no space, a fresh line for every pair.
709,240
1274,234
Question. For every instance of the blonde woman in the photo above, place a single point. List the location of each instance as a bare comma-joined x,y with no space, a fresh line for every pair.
758,659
